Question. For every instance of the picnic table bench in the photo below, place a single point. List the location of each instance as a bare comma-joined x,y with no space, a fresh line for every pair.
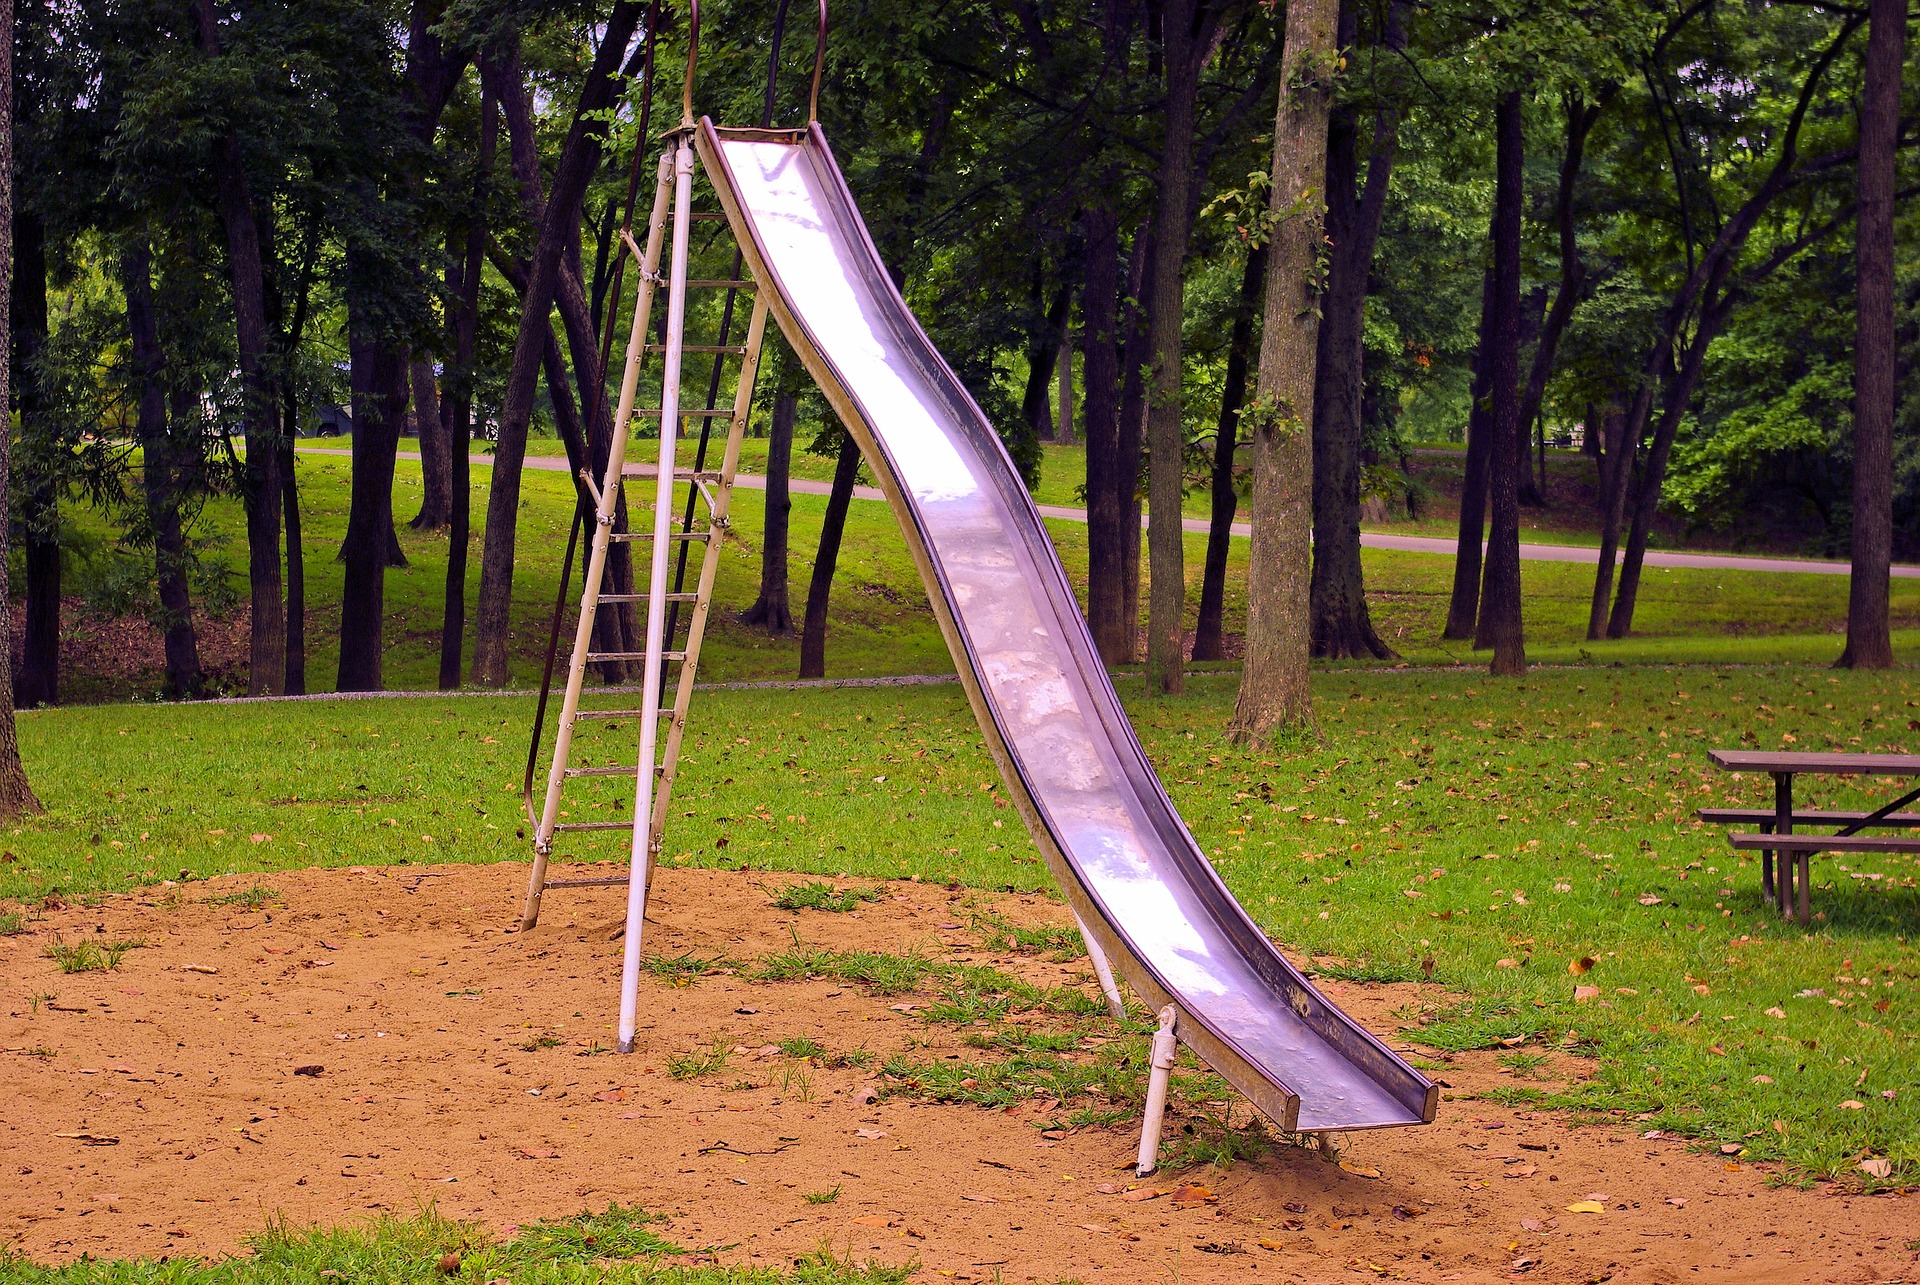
1776,834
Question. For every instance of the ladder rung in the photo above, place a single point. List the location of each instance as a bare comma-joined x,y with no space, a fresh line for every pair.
595,657
700,284
707,216
731,350
624,770
654,412
679,474
593,825
604,881
671,535
665,711
641,597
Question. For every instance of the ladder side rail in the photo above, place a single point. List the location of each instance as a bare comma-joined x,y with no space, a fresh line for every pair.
642,858
596,566
717,520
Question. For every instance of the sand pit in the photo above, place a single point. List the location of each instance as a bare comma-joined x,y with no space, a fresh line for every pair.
378,1040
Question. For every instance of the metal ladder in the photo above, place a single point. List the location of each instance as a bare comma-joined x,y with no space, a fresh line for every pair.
702,523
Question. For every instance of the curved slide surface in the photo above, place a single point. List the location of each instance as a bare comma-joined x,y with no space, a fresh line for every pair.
1090,797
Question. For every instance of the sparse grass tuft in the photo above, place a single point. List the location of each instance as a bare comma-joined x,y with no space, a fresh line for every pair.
1524,1065
89,956
996,932
818,894
700,1062
12,923
826,1197
798,1047
544,1040
683,969
250,899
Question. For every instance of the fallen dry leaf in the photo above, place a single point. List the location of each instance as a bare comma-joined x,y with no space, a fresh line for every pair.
977,1198
1678,1202
611,1095
1586,1207
869,1133
91,1139
1581,994
1522,1171
312,1069
866,1093
1507,963
1648,899
874,1220
1581,966
1359,1170
538,1153
1090,1227
1191,1194
1530,1224
199,968
1144,1193
1876,1166
1776,1011
1853,1104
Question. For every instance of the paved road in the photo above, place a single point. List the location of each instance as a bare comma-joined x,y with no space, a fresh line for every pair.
1368,539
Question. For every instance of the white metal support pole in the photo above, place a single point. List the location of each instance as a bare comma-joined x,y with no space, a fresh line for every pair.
1116,1007
643,830
1165,1046
649,268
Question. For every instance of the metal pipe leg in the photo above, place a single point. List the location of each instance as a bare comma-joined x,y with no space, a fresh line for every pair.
1806,894
1165,1045
1116,1006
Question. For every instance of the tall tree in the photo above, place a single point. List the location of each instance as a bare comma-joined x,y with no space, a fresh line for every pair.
1274,694
771,610
160,475
436,465
579,156
1342,626
16,796
813,629
241,218
463,299
1208,643
1875,377
38,680
1499,626
1463,608
1188,31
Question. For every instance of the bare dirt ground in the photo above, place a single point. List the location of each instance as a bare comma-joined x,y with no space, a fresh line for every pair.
172,1106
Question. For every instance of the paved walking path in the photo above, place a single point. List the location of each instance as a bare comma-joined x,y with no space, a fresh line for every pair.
1368,539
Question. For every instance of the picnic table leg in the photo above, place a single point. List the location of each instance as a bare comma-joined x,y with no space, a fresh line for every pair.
1805,916
1782,824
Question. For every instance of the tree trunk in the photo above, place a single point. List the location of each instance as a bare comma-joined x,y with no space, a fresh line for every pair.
296,567
771,610
1464,607
463,284
1274,694
1616,480
267,632
1106,507
1499,625
158,476
436,469
38,682
1186,42
579,156
1133,423
1207,640
1875,369
1063,421
1530,325
1342,627
16,796
813,633
1043,348
379,378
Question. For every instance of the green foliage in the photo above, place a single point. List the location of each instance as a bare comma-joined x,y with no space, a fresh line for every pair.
700,1063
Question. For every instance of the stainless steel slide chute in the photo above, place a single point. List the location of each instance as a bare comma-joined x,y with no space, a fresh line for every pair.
1143,888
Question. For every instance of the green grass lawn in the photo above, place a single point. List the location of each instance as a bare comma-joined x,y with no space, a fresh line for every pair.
615,1246
1502,830
880,623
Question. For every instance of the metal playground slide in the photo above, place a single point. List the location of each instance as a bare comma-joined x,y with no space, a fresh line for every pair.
1143,890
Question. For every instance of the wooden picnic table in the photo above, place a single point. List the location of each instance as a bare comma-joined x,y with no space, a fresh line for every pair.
1777,826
